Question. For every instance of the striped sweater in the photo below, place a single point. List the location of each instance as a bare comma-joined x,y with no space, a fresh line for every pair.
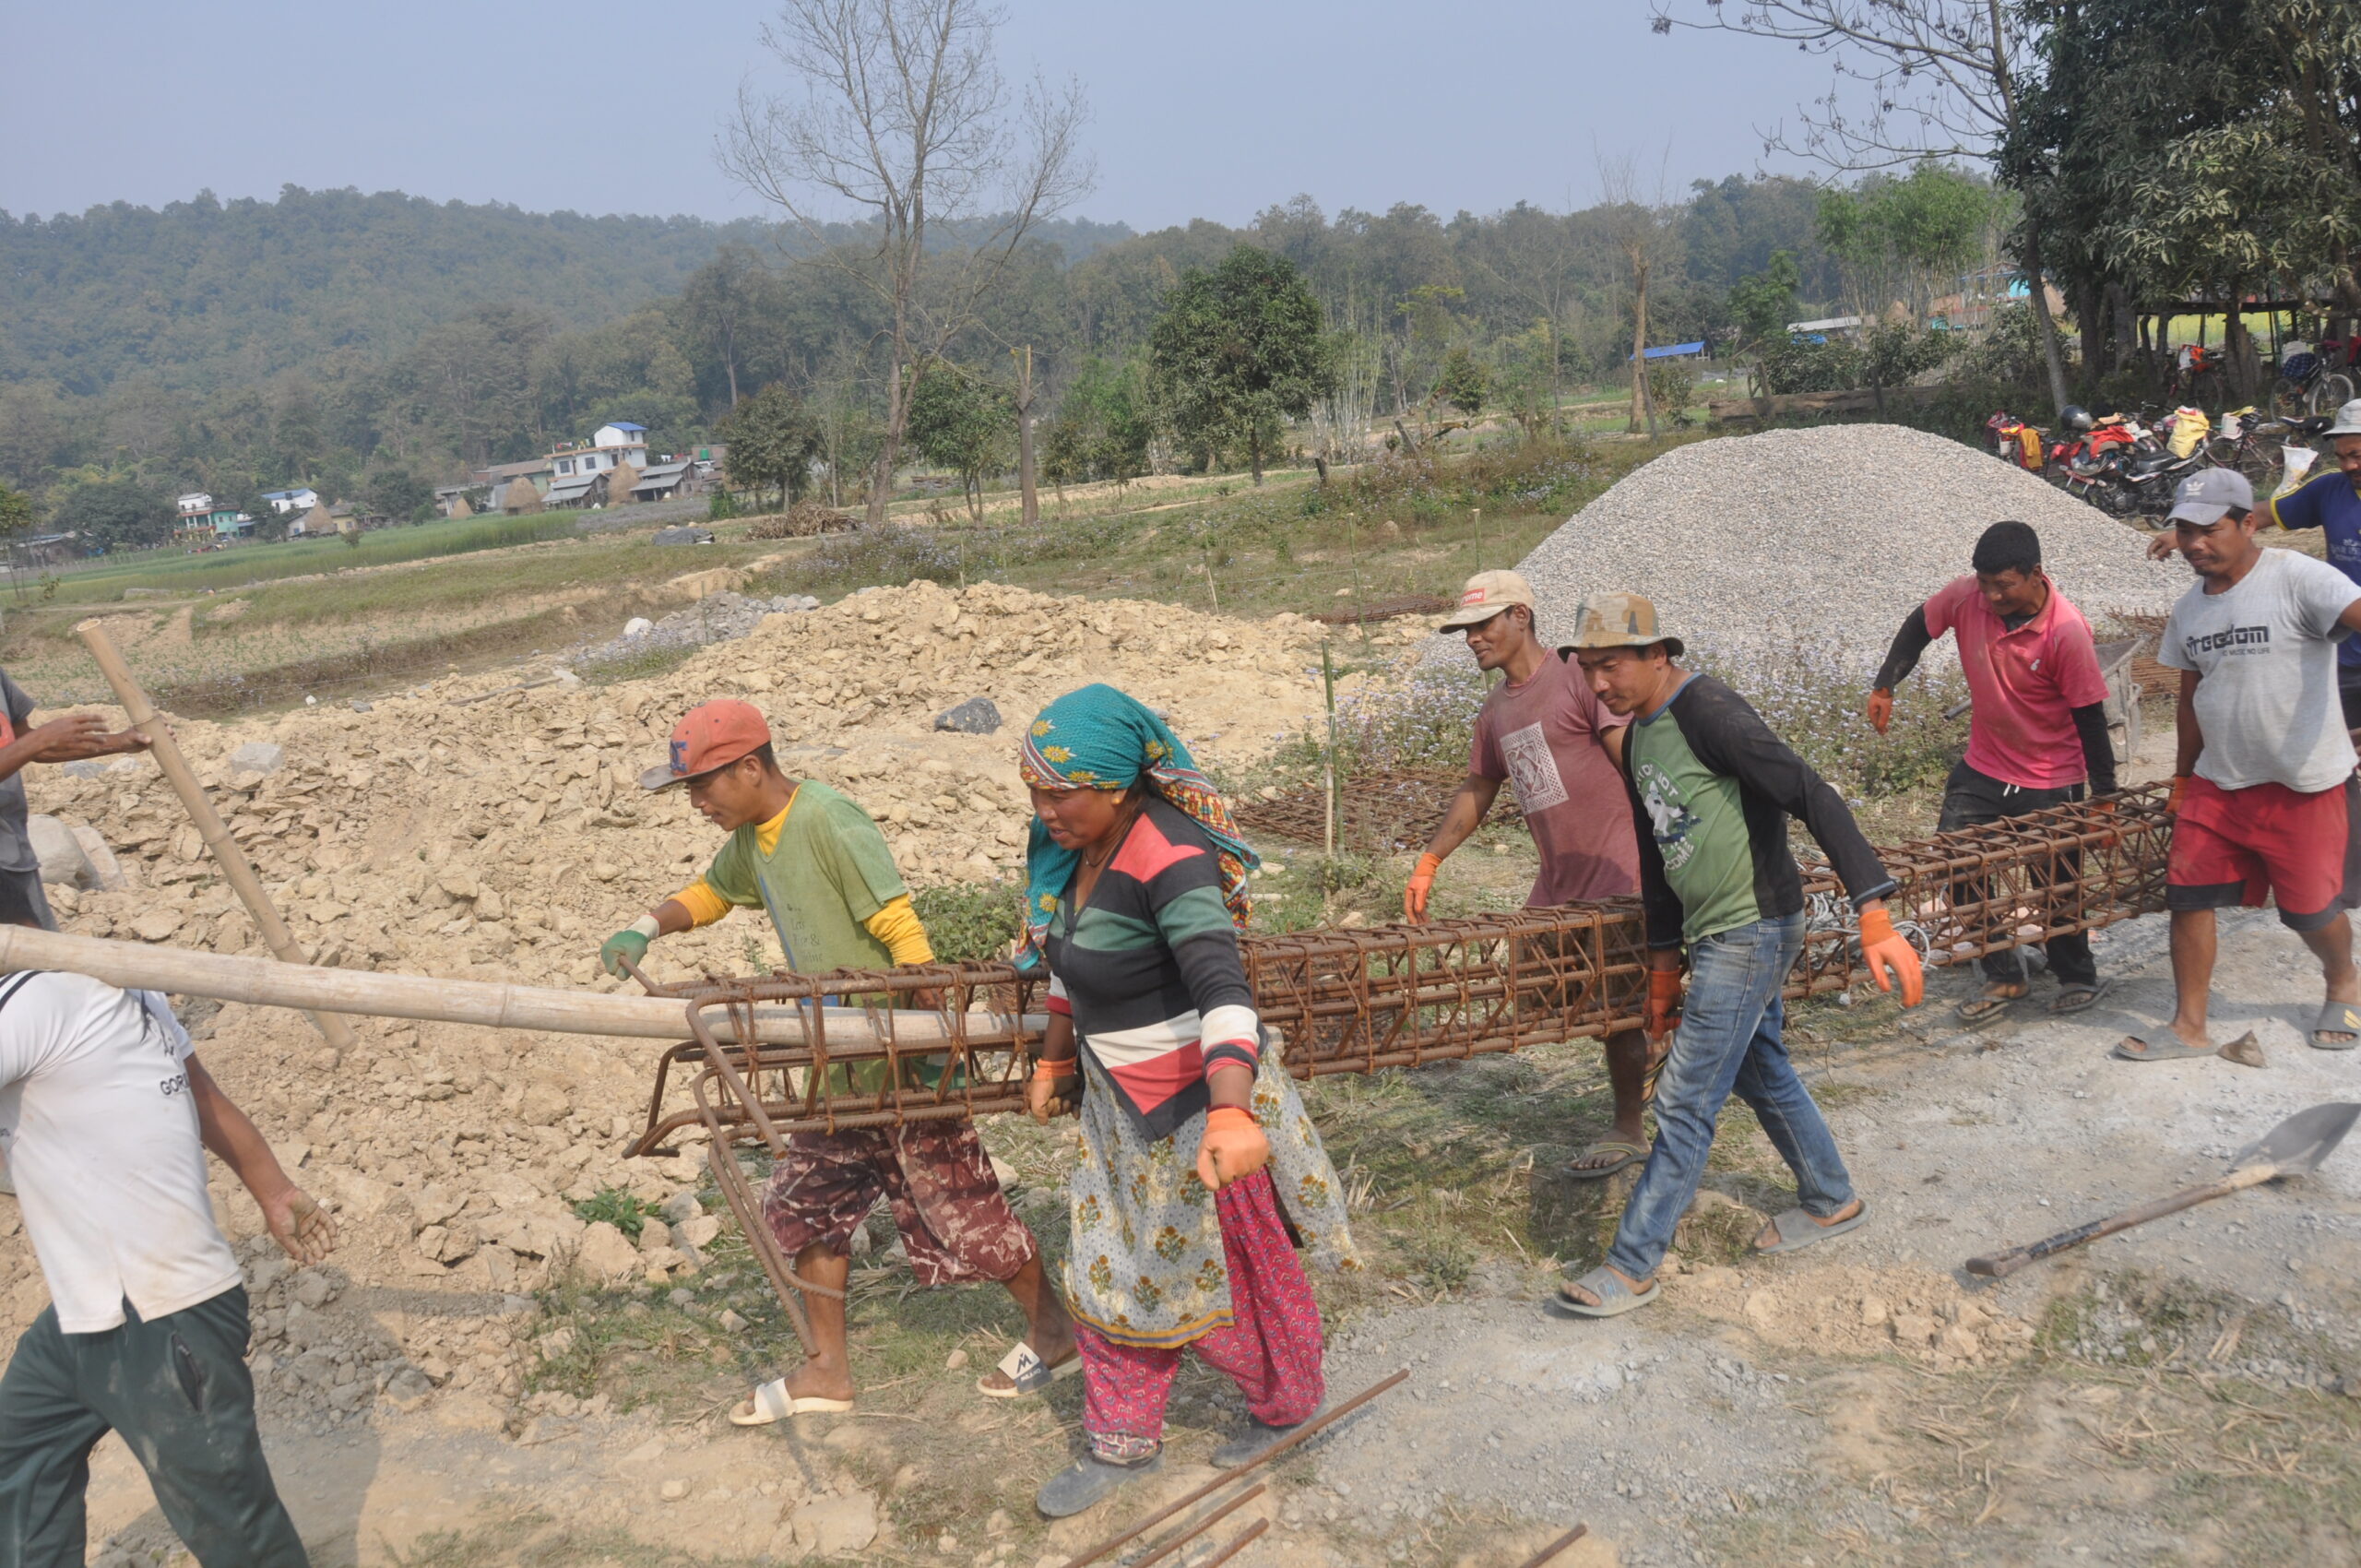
1150,971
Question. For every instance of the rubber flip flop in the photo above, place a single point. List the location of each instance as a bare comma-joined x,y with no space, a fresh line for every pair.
1800,1228
2159,1045
1631,1153
1615,1298
772,1402
1026,1373
1975,1009
2336,1017
2078,998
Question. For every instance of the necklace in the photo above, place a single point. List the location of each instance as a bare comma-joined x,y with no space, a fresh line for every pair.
1114,841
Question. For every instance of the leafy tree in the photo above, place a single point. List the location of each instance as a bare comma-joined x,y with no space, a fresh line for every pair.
773,441
959,422
1103,426
1762,303
1238,351
121,514
1463,381
15,511
399,495
1903,239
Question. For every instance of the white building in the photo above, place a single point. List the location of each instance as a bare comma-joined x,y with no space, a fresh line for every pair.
618,442
285,501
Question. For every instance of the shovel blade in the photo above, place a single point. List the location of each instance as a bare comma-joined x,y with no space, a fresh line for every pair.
2298,1145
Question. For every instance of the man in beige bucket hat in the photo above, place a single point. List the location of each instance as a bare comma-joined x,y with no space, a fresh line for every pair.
1544,729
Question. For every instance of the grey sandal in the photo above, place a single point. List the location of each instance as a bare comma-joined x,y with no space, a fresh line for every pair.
1799,1228
2336,1017
2159,1044
1615,1298
2077,998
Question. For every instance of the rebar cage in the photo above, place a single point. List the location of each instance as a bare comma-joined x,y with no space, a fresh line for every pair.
1359,1001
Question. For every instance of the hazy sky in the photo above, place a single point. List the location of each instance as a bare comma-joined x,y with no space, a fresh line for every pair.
1214,108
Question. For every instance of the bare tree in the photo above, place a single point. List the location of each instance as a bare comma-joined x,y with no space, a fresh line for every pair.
905,122
1942,78
1030,510
1636,223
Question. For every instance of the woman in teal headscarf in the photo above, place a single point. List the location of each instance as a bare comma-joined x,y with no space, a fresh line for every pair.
1196,1151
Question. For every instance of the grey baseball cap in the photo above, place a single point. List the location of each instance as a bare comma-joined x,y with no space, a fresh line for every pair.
2208,495
2348,420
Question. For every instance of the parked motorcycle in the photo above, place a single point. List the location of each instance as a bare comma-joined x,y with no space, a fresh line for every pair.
2013,441
2127,483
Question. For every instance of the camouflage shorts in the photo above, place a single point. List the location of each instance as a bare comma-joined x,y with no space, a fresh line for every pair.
956,1222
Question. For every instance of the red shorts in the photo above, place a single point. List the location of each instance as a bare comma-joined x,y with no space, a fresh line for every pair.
2231,847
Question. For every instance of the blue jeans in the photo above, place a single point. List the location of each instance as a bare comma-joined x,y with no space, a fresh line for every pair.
1729,1039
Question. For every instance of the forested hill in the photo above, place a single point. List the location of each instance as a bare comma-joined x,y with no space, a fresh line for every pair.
207,293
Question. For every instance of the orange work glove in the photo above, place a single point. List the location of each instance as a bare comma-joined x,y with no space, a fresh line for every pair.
1882,948
1664,997
1232,1149
1881,709
1422,880
2172,800
1055,1089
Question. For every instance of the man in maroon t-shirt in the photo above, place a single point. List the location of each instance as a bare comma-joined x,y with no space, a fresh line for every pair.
1544,728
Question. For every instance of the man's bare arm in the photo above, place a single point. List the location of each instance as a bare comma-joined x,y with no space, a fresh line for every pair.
1465,814
300,1226
2188,739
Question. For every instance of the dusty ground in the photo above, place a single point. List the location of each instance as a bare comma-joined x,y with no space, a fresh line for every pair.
449,1392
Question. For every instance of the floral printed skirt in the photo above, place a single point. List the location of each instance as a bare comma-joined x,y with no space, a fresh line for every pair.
1144,1263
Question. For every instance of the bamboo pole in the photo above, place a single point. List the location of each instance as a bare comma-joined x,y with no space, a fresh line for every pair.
496,1005
209,825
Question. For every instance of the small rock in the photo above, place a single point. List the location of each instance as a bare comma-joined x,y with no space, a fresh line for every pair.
544,1104
827,1526
730,1322
58,852
638,626
977,716
673,1491
409,1389
311,1288
681,1207
955,1361
654,1234
156,925
1874,1311
1957,1341
1914,1329
605,1253
258,757
698,1232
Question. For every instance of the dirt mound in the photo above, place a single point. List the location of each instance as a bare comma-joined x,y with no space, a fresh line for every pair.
448,831
801,521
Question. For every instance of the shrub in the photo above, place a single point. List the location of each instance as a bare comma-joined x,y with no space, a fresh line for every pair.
971,922
618,1209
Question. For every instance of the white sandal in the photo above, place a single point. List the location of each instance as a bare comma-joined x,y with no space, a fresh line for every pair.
1026,1373
772,1402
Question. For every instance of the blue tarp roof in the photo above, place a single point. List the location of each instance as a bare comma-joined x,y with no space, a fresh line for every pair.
1673,350
626,424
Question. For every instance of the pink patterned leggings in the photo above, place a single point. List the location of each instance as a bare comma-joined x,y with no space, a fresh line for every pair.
1270,1349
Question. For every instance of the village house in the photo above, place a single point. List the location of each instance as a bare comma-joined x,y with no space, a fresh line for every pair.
302,499
199,522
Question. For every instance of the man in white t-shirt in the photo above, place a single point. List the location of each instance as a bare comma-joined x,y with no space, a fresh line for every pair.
106,1114
2264,798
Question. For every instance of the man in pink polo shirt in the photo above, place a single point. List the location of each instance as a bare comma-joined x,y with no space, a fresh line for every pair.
2038,735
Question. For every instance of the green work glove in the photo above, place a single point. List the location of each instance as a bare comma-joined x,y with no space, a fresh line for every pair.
627,944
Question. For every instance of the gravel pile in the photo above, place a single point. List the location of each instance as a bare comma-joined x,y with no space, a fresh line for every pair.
719,617
1824,539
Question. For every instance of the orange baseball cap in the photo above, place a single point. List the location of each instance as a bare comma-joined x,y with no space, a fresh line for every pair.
710,735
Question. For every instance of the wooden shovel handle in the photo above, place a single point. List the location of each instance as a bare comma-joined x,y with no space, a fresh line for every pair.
2000,1265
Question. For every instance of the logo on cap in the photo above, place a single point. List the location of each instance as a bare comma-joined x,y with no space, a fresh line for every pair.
680,755
1473,596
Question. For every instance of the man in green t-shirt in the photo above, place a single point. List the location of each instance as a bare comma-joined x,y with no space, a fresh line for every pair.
1712,788
817,865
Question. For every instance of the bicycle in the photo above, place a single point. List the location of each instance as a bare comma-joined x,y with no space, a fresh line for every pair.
2253,445
2310,383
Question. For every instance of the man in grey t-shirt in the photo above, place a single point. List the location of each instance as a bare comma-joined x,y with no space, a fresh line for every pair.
2264,797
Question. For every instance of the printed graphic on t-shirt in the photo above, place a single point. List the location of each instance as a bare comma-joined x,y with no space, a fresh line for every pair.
1532,770
1669,818
2234,640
